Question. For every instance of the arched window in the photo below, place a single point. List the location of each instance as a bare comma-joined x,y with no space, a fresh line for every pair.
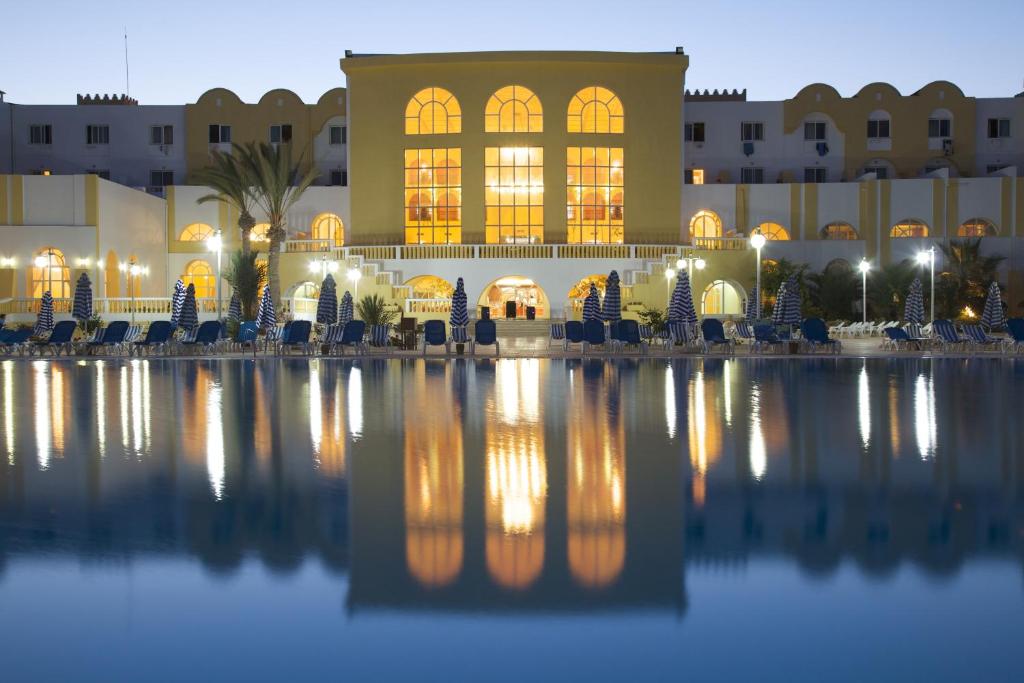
200,274
513,109
595,110
839,231
773,231
260,233
705,224
328,226
50,273
196,232
430,287
432,111
909,228
723,298
977,227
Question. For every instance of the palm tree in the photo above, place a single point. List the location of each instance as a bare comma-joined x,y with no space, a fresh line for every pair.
277,185
229,179
774,274
966,276
833,291
887,289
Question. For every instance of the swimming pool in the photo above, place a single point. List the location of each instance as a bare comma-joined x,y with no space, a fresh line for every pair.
520,519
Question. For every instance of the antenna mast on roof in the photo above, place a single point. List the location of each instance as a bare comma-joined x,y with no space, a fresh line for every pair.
127,83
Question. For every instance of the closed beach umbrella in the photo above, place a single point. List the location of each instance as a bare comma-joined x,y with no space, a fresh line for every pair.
44,321
611,309
592,305
913,310
752,305
794,303
266,317
189,316
460,314
681,308
327,303
780,305
992,317
177,299
345,309
235,308
81,310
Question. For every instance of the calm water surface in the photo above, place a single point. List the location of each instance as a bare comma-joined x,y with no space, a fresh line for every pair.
512,520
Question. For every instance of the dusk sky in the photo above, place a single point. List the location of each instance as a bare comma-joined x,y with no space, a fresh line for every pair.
178,50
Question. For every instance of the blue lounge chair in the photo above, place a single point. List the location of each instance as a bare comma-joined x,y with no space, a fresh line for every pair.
765,337
352,335
815,334
380,337
434,335
157,337
58,341
296,336
1015,328
629,335
112,336
980,340
485,333
946,336
557,334
14,341
246,335
206,337
573,334
680,335
613,333
713,335
593,334
742,332
896,339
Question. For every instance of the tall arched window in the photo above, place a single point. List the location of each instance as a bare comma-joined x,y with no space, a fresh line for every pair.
839,231
50,273
513,109
909,228
196,232
328,226
595,110
773,231
200,274
977,227
705,224
431,111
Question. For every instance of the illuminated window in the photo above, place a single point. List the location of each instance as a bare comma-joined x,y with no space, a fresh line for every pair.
909,228
433,196
430,287
200,274
595,195
595,110
196,232
260,233
514,194
722,298
433,110
693,176
839,231
977,227
773,231
705,224
50,273
513,109
328,226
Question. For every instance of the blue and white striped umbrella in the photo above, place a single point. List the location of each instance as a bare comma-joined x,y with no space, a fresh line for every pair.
266,316
780,305
913,309
459,315
177,299
81,309
992,317
592,305
753,305
235,308
44,321
791,314
681,308
327,302
345,309
611,308
189,316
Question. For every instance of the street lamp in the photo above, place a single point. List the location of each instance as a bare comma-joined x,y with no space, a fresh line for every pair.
669,274
864,267
757,241
927,257
216,244
354,275
690,262
323,267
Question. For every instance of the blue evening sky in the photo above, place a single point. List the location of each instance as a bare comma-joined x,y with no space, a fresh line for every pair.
53,50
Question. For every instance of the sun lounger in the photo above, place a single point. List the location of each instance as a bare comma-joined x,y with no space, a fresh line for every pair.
815,335
58,341
434,335
485,333
713,336
157,337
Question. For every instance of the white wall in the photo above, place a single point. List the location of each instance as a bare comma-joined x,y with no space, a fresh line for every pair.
722,149
75,242
327,156
133,223
54,200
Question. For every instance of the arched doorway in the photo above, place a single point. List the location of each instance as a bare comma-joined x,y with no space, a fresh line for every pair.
430,287
722,297
302,297
521,291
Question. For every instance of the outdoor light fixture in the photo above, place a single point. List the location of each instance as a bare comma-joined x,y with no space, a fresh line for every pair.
40,261
669,274
215,243
699,263
864,267
354,275
927,258
757,241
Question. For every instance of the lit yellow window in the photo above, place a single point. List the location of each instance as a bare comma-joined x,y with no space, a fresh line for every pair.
514,195
433,196
595,195
200,274
909,228
196,232
433,110
839,231
977,227
705,224
595,110
773,231
260,233
49,272
328,226
513,109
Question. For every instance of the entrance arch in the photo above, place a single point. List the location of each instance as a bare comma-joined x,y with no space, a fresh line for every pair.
430,287
516,288
723,297
302,299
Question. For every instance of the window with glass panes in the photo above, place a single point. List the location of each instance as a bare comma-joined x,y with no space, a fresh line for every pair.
878,128
514,195
939,128
595,195
751,131
433,196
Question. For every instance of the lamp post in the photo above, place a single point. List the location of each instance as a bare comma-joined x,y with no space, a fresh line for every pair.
354,275
323,267
864,267
928,257
690,262
216,244
133,271
669,274
757,241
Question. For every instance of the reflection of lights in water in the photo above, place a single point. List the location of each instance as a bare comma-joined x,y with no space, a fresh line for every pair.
894,418
9,409
517,482
864,405
355,403
123,396
57,409
147,424
42,400
727,382
519,390
136,403
670,402
101,408
215,440
924,416
698,428
758,453
315,409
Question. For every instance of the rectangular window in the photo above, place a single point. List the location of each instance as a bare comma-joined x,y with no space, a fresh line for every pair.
815,131
513,195
878,129
281,133
999,128
105,174
939,128
751,176
595,207
40,134
693,176
219,134
751,131
881,172
339,177
161,135
97,135
161,178
815,174
433,196
694,132
338,135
